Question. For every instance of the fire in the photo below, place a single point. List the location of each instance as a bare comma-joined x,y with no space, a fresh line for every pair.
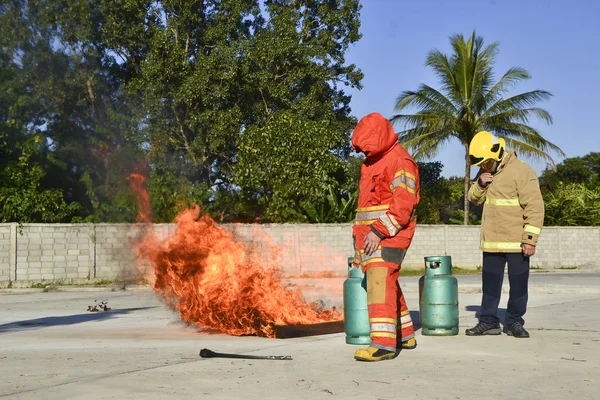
218,283
137,184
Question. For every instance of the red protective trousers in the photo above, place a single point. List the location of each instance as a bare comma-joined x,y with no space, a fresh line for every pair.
389,317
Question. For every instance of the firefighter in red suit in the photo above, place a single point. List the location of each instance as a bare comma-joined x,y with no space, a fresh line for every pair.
383,230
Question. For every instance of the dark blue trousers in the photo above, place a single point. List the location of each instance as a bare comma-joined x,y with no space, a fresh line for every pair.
492,276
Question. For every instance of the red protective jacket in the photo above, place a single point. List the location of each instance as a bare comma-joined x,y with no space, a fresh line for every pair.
389,192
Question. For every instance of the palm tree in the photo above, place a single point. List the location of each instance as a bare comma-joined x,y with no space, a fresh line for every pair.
469,101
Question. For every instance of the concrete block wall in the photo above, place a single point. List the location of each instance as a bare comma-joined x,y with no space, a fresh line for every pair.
50,252
547,252
36,252
579,245
300,249
115,248
5,253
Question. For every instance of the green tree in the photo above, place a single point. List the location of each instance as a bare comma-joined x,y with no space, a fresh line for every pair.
72,97
335,208
23,197
287,163
179,87
26,192
585,170
572,204
434,193
216,72
469,101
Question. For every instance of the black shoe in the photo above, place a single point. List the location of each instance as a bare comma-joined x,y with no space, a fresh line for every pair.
484,329
517,330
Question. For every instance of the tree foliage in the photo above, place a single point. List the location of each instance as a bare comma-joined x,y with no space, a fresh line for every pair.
584,170
434,193
572,191
470,100
178,89
573,204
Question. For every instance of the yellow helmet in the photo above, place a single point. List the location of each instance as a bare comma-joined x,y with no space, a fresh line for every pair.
485,146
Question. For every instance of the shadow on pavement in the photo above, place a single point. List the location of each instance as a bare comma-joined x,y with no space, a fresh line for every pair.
416,319
65,320
477,309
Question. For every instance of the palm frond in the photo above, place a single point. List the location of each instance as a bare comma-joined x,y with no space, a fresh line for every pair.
425,97
424,144
430,120
508,80
483,75
524,148
445,73
522,100
528,141
517,115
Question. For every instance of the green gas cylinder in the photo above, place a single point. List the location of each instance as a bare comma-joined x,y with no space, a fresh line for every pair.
356,314
438,298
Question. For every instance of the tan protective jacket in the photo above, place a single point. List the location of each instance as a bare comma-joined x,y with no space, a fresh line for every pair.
513,211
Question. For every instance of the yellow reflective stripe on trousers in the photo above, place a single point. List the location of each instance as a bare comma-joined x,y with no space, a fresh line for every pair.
383,334
501,245
375,320
371,261
503,202
532,229
383,327
361,252
363,259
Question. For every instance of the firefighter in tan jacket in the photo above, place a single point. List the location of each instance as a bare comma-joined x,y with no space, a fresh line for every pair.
513,215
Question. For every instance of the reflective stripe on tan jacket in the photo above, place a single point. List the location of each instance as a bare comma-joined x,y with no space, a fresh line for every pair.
513,208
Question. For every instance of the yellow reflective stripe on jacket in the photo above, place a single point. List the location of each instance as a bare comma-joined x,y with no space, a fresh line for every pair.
503,202
390,223
532,229
365,222
500,245
404,180
408,189
373,208
368,215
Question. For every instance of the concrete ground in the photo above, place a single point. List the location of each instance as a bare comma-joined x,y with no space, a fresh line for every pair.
51,347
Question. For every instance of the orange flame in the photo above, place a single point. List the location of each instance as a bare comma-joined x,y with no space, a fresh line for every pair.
219,283
137,184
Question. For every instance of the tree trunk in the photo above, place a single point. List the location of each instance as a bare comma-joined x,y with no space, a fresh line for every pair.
467,185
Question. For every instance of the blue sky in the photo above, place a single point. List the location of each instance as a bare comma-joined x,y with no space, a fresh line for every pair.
557,41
